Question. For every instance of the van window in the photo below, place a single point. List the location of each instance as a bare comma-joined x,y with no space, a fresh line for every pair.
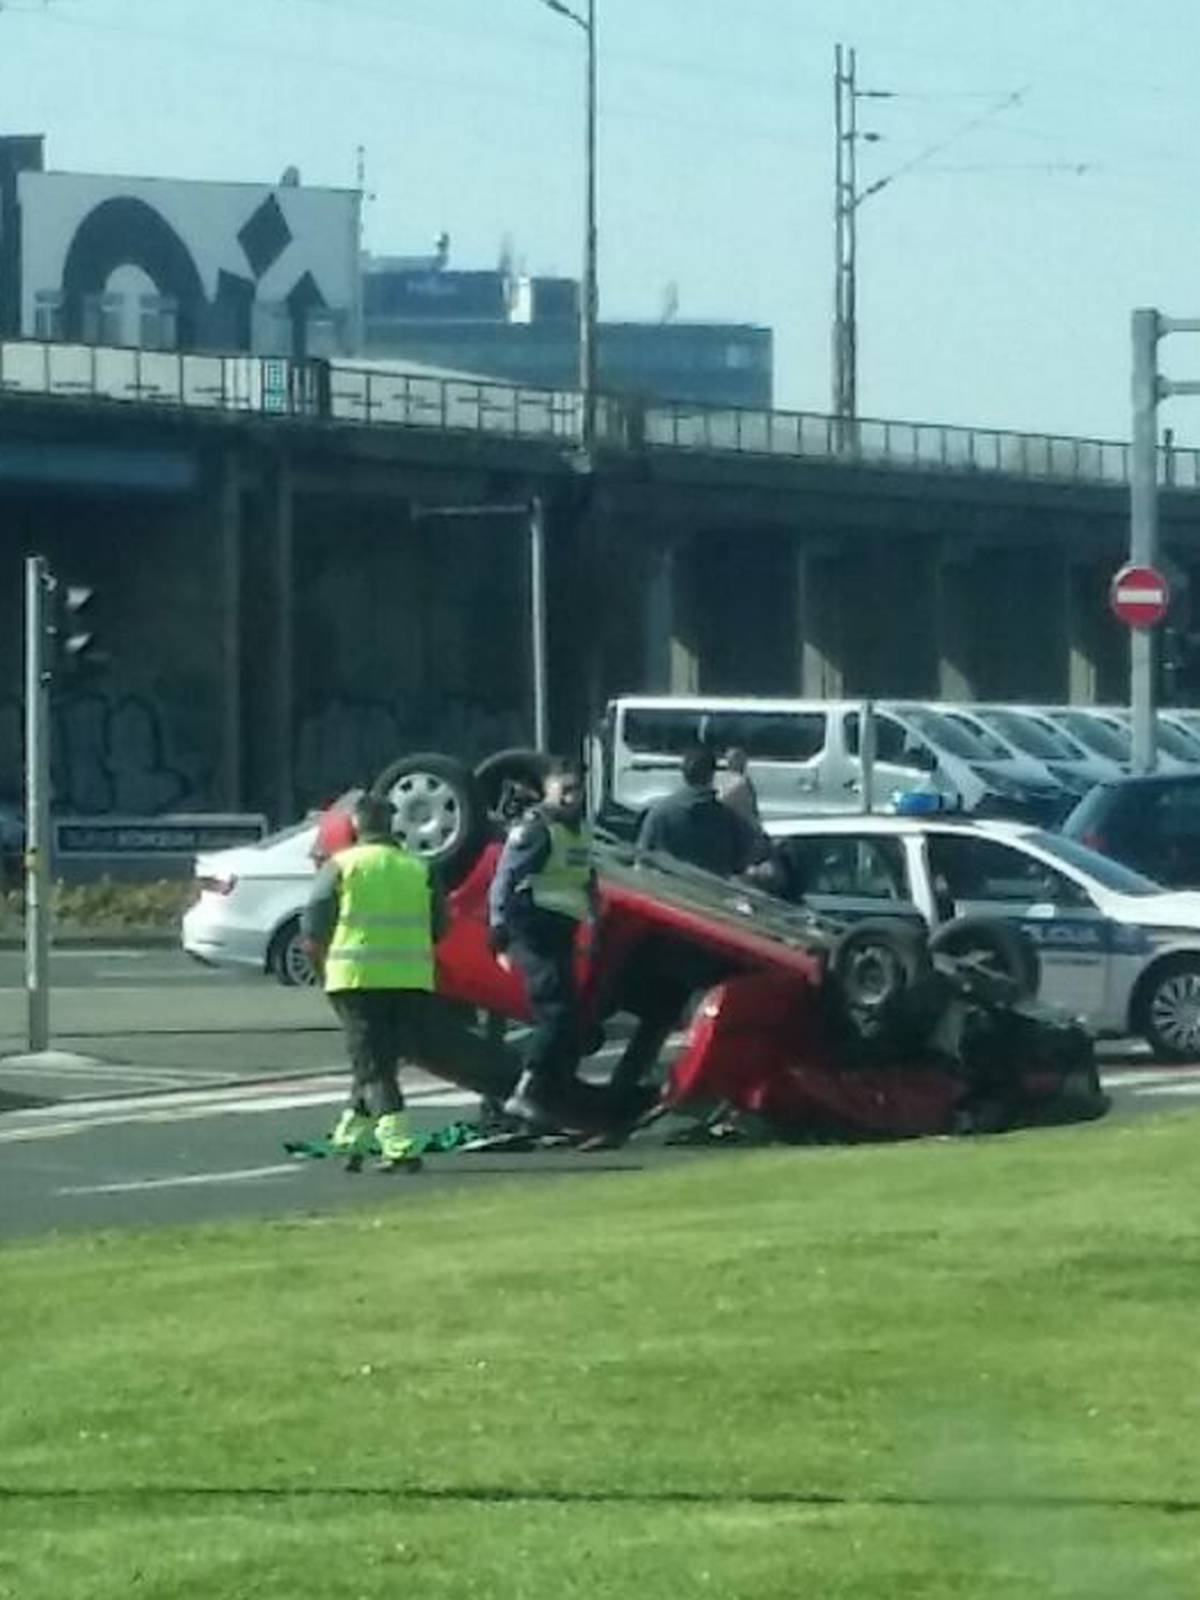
767,735
893,742
666,731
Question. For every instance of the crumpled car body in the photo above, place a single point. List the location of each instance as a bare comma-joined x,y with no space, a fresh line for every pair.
761,1039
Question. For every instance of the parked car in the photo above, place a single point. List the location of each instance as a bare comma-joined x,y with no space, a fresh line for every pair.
1151,823
248,903
1116,948
804,755
1028,730
1107,733
1016,784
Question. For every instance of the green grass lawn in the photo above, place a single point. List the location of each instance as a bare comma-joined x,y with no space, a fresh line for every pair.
942,1369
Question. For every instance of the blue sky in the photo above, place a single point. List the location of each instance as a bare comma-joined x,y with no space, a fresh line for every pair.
996,279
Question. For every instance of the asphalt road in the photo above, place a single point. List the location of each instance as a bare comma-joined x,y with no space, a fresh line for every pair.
173,1089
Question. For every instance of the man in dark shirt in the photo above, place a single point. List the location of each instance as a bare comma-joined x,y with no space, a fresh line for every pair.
692,825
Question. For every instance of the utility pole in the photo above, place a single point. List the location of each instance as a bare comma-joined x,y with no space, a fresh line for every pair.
39,588
845,315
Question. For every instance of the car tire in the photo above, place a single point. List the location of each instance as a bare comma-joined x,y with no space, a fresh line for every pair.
288,960
877,962
1168,1009
1004,958
440,815
507,778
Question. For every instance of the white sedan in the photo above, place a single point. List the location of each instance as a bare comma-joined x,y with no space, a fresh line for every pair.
1117,950
248,904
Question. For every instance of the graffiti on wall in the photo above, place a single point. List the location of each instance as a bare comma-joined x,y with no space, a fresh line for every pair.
349,740
110,755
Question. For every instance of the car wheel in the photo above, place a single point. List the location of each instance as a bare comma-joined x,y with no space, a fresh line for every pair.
877,962
440,814
1170,1010
289,960
511,780
995,953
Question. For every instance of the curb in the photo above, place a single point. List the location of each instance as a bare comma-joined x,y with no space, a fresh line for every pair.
101,939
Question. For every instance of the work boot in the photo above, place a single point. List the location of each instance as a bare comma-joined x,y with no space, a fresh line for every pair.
351,1132
527,1104
397,1147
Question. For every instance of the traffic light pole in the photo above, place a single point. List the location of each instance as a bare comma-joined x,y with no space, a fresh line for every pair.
37,803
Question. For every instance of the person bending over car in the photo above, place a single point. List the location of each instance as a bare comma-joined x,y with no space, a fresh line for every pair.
543,888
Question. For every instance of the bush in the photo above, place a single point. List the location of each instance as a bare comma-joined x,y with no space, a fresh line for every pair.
106,905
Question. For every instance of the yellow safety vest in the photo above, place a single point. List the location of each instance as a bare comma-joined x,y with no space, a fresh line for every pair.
384,935
562,884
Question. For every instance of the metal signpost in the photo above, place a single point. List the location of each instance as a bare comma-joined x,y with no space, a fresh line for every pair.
39,592
1140,595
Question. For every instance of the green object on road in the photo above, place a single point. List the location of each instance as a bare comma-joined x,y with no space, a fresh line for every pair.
439,1141
352,1133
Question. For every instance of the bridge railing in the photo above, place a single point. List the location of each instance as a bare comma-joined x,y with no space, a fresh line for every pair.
386,395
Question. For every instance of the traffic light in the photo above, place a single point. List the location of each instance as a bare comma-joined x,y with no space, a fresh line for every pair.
72,642
1178,662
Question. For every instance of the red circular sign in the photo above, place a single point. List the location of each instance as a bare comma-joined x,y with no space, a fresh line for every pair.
1139,596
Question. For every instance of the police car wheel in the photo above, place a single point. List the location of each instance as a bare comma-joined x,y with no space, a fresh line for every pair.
1170,1011
289,960
439,813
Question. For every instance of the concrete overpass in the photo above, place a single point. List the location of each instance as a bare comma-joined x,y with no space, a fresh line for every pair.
280,624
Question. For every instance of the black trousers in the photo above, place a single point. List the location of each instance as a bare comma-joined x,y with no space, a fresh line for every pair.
383,1027
542,949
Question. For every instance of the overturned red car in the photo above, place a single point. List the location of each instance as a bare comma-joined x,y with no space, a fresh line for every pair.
813,1027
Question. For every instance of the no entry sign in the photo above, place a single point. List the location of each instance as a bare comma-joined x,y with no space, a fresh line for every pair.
1139,596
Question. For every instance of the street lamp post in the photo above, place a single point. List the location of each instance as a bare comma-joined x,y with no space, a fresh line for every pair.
589,304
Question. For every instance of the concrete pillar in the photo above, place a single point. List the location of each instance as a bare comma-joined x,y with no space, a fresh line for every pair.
229,518
1081,597
284,595
672,656
954,624
820,654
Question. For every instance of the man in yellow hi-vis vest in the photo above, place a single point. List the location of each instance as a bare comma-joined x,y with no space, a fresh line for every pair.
544,887
371,923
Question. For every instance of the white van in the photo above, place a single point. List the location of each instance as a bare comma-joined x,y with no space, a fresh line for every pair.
804,755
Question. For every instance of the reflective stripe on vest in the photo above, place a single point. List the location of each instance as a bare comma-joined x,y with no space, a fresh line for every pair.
383,938
562,884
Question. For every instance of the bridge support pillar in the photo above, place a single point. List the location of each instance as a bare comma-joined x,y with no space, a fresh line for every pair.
954,625
284,596
228,512
1084,612
820,665
672,653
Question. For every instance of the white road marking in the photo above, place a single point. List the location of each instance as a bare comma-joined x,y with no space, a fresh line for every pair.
1144,1077
1183,1090
187,1180
56,1122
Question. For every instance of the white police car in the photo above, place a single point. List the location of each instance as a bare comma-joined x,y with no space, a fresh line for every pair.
1117,950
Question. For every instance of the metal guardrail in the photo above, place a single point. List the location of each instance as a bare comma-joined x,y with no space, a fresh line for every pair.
382,395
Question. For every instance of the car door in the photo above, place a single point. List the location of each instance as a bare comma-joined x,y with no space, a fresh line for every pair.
849,876
902,760
977,877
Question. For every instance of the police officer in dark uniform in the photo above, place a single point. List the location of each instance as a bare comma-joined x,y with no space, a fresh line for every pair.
544,887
